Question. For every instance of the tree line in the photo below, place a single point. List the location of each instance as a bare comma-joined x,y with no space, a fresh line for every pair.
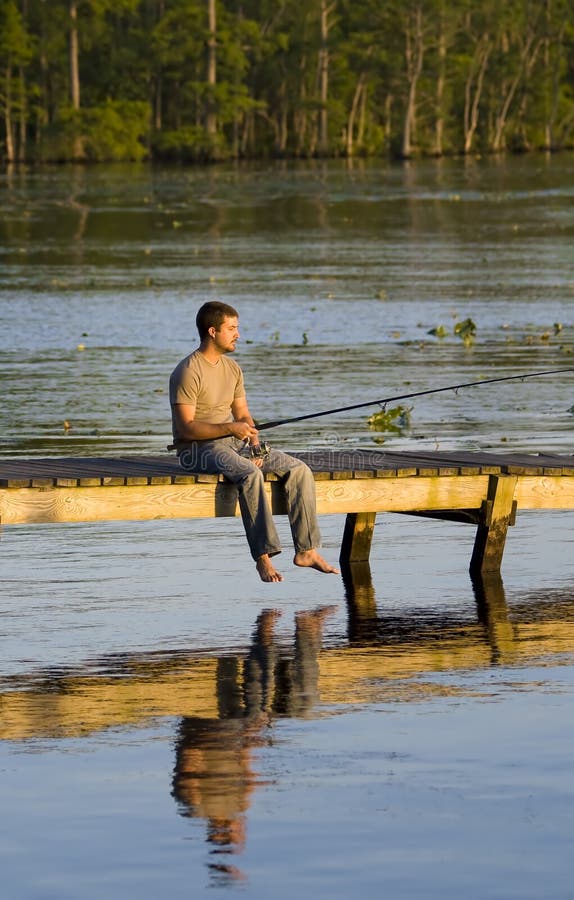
200,80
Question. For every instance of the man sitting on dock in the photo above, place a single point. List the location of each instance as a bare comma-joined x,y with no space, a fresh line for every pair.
214,433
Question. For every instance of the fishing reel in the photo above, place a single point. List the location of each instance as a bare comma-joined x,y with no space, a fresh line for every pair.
259,451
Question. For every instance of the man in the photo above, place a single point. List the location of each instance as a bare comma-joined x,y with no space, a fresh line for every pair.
213,433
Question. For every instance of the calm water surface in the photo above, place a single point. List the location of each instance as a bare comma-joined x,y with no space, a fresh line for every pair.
168,724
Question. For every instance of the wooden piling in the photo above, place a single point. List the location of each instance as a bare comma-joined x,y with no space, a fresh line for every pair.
357,537
497,513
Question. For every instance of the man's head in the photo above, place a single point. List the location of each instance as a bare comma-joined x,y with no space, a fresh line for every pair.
213,315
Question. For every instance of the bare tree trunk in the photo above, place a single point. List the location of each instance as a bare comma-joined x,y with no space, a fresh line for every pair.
300,116
439,99
10,155
157,104
156,89
78,147
324,78
353,113
414,53
362,116
388,118
74,65
526,63
23,105
313,137
247,133
211,119
472,99
22,123
547,125
282,126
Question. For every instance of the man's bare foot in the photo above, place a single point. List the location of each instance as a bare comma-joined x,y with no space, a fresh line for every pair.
266,569
314,560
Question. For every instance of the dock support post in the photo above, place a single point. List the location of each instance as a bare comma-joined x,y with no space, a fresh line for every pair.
496,515
357,537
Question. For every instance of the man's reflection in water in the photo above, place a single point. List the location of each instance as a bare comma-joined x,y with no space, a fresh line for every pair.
298,683
213,776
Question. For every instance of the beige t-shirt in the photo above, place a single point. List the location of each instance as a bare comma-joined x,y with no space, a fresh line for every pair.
210,388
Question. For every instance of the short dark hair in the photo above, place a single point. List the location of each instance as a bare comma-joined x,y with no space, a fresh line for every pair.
212,315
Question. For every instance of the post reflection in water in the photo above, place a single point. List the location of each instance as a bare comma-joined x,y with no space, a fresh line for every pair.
366,626
214,775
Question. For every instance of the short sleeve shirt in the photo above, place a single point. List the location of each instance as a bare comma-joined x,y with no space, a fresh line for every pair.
211,389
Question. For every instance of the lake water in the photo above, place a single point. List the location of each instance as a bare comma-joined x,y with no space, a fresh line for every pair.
169,724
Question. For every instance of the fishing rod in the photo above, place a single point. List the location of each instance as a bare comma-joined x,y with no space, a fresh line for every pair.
264,426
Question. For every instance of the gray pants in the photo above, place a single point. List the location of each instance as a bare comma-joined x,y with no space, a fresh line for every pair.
230,457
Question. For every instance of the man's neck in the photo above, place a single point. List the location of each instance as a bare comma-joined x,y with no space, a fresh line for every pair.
210,352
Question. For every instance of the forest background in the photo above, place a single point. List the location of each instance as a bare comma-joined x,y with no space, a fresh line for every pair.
201,80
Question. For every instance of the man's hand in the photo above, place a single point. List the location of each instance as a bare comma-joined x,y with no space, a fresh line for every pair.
243,431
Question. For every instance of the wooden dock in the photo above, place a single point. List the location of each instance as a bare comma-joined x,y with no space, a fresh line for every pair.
483,489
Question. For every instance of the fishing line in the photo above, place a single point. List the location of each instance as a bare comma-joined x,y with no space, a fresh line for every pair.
263,426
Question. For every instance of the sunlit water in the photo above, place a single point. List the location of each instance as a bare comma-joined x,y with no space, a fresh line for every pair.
162,731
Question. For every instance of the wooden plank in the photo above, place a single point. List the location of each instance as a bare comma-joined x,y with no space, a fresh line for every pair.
322,476
515,469
545,492
401,494
129,503
15,482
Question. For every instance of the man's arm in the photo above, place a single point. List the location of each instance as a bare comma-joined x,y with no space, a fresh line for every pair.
191,430
240,411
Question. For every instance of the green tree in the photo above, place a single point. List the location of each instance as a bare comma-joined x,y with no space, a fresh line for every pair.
208,79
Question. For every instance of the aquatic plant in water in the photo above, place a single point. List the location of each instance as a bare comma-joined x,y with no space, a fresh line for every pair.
440,331
390,421
466,330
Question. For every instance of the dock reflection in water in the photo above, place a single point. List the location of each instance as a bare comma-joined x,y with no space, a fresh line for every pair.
227,706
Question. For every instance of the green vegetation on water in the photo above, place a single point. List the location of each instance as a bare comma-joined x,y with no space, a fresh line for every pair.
200,80
396,420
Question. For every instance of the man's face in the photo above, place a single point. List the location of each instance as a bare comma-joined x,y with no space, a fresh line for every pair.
228,335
